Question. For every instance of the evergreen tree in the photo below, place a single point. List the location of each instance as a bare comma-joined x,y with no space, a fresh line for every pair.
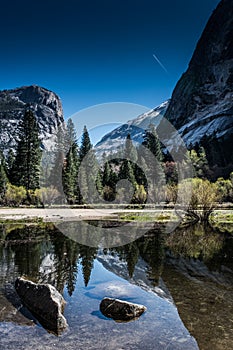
140,168
130,151
59,152
127,168
99,183
26,166
127,172
88,170
9,162
106,174
109,176
155,173
199,162
109,181
86,145
3,177
151,141
70,169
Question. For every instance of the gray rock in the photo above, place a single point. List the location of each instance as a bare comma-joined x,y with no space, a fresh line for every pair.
44,302
46,106
120,310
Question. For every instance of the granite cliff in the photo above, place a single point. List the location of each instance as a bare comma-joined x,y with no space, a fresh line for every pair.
45,104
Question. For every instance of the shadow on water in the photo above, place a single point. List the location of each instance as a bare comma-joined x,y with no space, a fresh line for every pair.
193,267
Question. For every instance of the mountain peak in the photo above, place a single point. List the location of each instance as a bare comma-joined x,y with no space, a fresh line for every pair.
45,104
115,140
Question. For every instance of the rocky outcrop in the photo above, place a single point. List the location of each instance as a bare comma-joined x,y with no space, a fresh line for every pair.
201,106
45,104
44,302
121,310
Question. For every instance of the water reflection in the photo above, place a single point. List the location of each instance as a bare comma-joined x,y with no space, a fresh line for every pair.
197,241
196,264
46,255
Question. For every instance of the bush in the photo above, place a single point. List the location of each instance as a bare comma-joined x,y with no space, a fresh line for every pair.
14,195
46,195
203,197
224,189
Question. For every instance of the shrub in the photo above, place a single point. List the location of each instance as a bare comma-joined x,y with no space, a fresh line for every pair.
14,195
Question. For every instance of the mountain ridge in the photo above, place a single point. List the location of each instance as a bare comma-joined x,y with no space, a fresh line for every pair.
136,127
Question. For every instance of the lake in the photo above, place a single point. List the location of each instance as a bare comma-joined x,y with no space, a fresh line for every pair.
185,279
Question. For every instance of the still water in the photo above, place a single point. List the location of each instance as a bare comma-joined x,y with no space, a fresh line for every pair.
185,280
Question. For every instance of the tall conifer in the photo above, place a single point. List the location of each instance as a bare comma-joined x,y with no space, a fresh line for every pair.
26,167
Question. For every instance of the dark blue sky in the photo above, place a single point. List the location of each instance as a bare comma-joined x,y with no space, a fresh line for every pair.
90,52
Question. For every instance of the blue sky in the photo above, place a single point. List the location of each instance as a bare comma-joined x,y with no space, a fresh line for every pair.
92,52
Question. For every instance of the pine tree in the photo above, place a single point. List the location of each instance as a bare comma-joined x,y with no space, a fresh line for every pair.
127,172
106,174
86,145
9,162
140,169
3,176
199,162
58,158
70,169
109,176
151,141
109,180
155,172
26,166
130,152
88,170
128,163
99,183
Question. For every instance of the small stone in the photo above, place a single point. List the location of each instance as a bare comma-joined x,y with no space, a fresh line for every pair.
120,310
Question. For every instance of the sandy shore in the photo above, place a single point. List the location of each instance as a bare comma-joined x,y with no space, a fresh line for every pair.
61,214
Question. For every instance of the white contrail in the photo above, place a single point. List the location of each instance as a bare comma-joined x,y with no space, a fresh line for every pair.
160,63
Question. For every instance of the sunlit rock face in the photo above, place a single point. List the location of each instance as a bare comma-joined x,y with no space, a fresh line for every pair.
201,106
45,104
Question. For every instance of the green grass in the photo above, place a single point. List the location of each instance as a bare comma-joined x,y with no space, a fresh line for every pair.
147,217
15,220
223,216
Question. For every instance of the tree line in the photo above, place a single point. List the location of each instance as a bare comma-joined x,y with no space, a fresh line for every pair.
69,173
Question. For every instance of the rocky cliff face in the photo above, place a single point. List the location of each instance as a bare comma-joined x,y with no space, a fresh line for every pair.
201,107
45,104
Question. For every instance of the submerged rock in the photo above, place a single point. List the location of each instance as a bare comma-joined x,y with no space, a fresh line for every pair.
44,302
120,310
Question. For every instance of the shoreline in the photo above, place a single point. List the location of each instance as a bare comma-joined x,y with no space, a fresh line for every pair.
79,214
61,214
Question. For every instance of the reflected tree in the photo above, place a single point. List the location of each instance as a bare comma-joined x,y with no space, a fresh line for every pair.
87,255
